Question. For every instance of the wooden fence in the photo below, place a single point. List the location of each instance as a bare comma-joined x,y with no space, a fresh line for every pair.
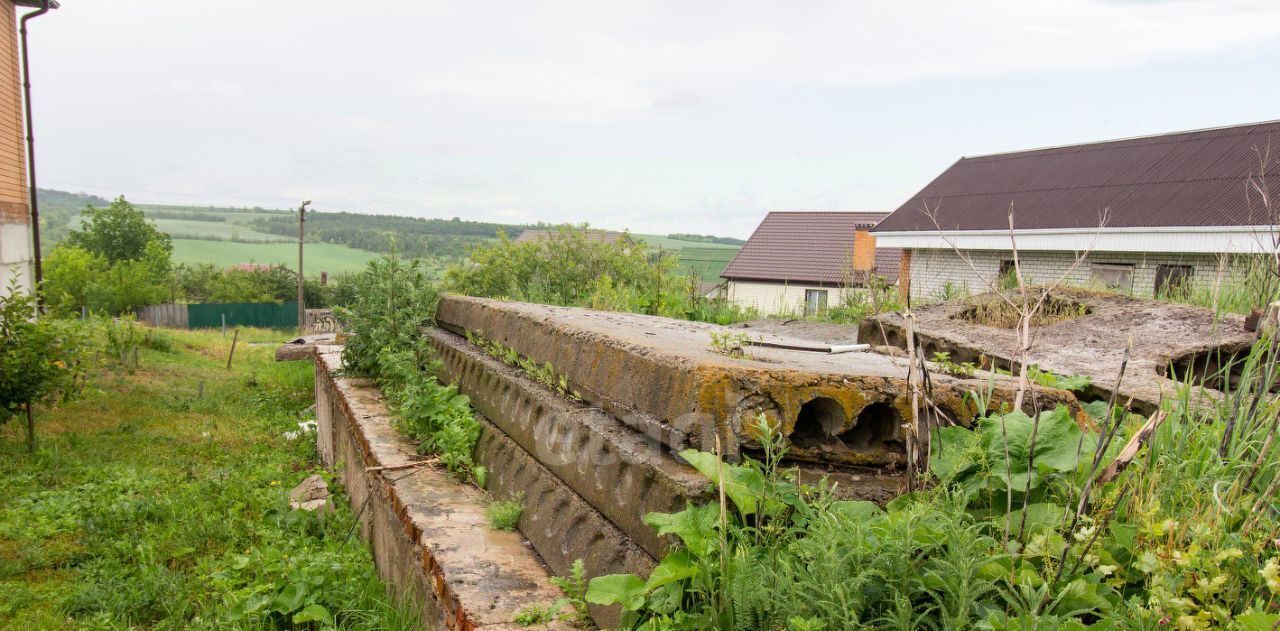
259,314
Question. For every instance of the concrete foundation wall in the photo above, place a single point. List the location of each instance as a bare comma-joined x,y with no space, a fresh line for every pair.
430,539
932,270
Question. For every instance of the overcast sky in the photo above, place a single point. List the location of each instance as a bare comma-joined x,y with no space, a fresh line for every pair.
653,116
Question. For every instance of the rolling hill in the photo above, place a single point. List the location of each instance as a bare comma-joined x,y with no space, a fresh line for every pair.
336,241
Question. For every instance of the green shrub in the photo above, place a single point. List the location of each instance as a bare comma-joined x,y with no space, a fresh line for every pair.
41,360
505,514
393,301
569,268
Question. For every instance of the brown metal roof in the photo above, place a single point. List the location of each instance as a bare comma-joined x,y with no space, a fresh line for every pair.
1195,178
807,247
606,236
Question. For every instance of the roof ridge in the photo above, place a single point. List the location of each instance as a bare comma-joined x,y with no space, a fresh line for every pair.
1099,145
829,212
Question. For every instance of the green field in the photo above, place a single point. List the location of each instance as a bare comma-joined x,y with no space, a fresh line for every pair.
225,230
706,262
320,257
667,243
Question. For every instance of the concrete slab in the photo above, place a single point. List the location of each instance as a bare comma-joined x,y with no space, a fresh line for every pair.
622,473
1091,344
661,377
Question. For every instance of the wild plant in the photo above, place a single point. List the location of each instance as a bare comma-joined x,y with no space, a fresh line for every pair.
730,343
543,373
122,338
505,514
393,301
961,369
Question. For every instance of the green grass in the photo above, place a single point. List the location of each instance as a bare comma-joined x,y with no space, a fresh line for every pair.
159,500
328,257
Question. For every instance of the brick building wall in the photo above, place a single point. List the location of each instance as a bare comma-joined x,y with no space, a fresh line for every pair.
15,218
932,270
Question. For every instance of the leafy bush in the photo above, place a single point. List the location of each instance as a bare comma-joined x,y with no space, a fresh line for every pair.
997,544
393,301
505,514
76,278
41,360
569,268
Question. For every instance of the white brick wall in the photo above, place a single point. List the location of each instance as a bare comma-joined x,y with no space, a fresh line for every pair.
931,270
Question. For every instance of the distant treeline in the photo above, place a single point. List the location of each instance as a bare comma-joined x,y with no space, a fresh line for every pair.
414,237
705,238
177,214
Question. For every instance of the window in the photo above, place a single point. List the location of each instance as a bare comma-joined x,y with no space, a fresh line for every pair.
1008,276
1117,276
815,301
1172,280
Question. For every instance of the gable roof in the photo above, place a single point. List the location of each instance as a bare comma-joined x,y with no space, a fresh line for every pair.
606,236
808,247
1185,179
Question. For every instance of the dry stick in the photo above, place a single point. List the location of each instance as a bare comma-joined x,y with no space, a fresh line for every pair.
1089,544
1262,454
1031,463
1256,512
1131,448
409,465
1260,392
724,509
365,504
234,338
913,385
1112,418
31,430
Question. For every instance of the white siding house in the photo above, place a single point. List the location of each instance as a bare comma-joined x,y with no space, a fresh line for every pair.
798,263
1155,214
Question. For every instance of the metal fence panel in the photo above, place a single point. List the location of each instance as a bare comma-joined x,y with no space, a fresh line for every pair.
259,314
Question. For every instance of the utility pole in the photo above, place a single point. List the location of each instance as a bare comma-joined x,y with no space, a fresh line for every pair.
302,306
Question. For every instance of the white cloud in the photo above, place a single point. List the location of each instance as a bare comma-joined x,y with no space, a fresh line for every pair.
651,115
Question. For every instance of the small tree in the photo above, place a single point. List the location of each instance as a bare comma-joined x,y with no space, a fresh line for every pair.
119,232
39,359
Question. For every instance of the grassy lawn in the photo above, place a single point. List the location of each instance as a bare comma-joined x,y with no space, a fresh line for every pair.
159,500
327,257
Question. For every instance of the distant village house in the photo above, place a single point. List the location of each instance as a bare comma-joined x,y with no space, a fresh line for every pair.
1157,214
802,262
